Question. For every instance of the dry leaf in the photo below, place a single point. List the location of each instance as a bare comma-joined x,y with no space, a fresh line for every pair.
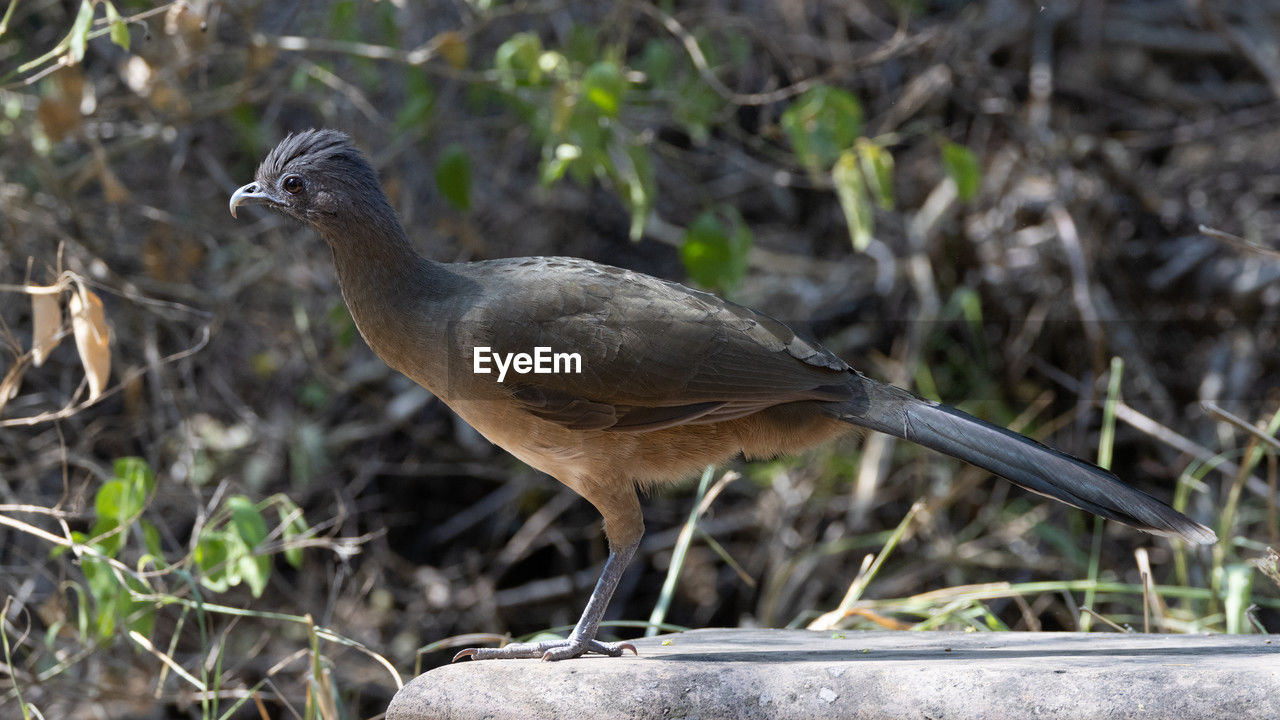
168,99
452,48
89,321
59,116
188,28
260,56
12,381
112,189
59,112
46,321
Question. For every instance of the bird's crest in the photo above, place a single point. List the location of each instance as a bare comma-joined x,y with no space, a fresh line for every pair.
314,145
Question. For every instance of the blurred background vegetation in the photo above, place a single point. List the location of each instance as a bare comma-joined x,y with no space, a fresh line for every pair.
1054,215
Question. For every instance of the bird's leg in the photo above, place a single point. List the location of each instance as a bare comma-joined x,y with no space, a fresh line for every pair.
583,638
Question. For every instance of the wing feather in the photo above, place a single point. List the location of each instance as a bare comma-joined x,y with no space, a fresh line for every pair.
653,353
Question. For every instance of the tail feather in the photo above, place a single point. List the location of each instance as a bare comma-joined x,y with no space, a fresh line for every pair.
1020,459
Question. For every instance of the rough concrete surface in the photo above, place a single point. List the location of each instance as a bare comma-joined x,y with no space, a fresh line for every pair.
785,674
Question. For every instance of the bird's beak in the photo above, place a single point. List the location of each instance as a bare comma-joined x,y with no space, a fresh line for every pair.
248,194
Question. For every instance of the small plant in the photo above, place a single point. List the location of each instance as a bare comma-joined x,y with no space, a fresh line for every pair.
574,100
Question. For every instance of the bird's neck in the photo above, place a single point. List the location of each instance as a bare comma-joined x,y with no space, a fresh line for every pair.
392,291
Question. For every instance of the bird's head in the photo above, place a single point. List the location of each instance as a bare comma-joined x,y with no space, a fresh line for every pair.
318,177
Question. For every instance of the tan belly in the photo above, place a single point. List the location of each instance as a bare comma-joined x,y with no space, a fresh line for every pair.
574,456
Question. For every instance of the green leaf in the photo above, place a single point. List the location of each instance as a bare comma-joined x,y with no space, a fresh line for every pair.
247,521
517,59
292,529
105,591
453,176
118,502
110,502
877,168
585,130
419,101
119,30
657,62
250,529
554,167
307,452
343,15
604,86
909,8
255,570
211,555
113,605
696,106
583,44
314,394
79,34
109,545
135,472
962,166
82,611
854,201
713,254
822,123
58,550
151,539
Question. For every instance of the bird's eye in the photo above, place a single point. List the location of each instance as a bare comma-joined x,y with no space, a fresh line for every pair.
292,184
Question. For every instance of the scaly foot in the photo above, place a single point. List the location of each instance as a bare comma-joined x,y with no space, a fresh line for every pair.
548,650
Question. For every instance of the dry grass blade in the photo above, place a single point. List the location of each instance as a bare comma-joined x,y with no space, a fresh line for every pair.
93,338
168,661
1151,602
680,550
1094,614
830,620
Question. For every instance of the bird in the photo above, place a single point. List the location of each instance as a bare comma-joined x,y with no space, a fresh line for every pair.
670,379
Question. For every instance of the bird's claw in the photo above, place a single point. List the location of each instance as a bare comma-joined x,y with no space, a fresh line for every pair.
549,651
564,652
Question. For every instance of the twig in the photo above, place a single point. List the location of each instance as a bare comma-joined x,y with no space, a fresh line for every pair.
1105,620
71,408
900,42
1239,242
1228,417
1238,40
417,57
1081,293
354,94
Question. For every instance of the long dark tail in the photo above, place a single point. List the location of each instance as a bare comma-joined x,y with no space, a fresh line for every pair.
1020,459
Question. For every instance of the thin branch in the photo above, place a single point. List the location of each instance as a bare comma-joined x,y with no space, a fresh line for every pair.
1239,242
900,42
1229,417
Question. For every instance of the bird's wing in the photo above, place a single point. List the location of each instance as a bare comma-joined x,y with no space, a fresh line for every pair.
653,353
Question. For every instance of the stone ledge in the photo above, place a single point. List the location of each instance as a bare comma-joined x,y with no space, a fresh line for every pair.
807,675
